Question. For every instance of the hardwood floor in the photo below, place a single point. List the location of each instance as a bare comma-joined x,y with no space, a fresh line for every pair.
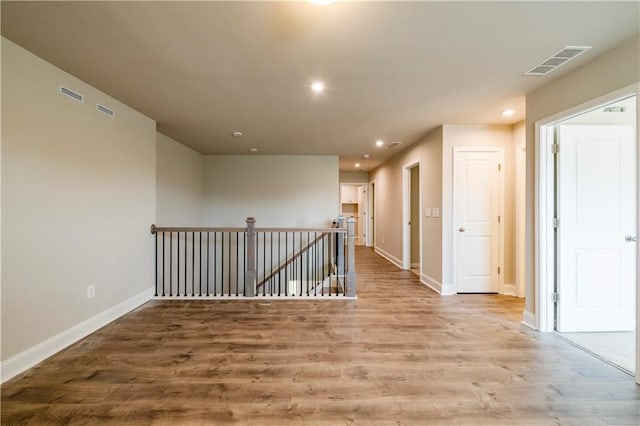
400,354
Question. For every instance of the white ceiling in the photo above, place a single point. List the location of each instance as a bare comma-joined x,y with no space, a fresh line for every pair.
393,70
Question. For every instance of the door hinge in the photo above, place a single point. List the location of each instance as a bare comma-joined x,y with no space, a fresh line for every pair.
498,218
555,297
556,223
555,148
499,167
498,270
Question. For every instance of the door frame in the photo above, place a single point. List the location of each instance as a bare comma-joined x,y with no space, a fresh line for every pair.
456,151
365,210
406,214
520,222
371,219
544,249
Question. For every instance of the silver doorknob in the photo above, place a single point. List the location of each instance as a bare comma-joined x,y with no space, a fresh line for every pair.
629,238
461,229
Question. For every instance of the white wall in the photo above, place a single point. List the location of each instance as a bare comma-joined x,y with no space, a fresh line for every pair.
278,190
616,69
180,184
78,197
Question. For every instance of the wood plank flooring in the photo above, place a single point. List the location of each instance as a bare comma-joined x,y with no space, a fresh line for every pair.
400,354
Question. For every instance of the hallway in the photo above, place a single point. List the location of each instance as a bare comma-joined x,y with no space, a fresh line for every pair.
399,353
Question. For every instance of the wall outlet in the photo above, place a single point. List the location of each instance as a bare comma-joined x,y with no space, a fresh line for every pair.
91,291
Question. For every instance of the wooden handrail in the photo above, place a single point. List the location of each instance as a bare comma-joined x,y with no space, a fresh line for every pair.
324,230
155,229
292,258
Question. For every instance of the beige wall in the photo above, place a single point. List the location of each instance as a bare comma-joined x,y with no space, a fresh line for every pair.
78,197
435,154
478,136
284,190
519,142
179,183
388,204
354,177
614,70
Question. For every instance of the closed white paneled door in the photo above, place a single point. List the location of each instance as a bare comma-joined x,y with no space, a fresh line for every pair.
596,230
477,204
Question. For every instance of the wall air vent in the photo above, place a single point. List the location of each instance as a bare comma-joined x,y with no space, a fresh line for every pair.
553,62
70,93
615,109
107,111
393,145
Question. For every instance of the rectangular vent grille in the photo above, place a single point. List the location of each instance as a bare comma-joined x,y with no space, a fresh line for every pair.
103,109
70,93
562,57
393,145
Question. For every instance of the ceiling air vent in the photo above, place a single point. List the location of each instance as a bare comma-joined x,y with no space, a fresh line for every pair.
615,109
70,93
560,58
107,111
393,145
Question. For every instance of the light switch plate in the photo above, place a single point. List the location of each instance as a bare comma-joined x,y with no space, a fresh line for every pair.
435,212
427,212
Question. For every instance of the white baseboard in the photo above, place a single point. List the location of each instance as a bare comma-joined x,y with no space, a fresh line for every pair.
43,350
509,289
391,258
432,283
529,320
448,290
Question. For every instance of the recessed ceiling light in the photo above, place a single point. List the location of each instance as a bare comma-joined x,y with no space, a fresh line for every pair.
379,142
508,112
366,156
357,164
253,149
317,86
236,134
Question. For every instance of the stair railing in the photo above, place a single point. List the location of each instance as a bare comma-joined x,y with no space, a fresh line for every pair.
213,262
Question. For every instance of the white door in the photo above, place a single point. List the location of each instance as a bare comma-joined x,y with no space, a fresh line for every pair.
596,211
477,198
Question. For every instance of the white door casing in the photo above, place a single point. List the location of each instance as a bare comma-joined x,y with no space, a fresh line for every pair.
406,214
596,210
477,216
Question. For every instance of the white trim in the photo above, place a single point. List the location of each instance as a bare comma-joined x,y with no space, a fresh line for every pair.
455,152
391,258
509,290
371,234
406,212
432,283
520,222
529,320
43,350
364,223
448,290
543,238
